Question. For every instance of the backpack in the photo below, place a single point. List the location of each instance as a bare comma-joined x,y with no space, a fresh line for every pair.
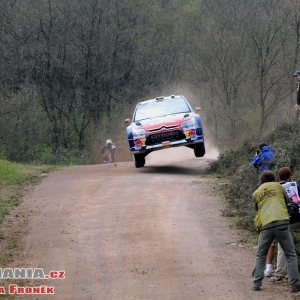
293,207
293,210
291,189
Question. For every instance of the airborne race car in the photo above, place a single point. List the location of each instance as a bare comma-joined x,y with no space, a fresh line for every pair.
161,123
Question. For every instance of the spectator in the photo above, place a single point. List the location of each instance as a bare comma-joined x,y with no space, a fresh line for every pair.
109,152
263,158
297,105
293,191
269,260
272,221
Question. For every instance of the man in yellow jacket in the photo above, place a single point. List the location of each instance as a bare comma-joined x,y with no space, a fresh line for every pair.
272,221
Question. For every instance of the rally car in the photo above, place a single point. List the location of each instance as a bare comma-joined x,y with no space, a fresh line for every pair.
161,123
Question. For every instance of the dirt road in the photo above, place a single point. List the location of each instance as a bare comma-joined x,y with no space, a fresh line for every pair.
121,233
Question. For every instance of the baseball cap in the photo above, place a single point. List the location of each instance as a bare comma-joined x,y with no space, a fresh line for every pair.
297,73
109,142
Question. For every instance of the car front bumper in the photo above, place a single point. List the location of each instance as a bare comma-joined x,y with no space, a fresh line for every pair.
165,145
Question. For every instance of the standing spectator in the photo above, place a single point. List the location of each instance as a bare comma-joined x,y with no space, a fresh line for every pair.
109,152
263,158
292,189
272,221
297,105
269,260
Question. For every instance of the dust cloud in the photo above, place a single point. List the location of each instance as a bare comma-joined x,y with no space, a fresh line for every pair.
171,155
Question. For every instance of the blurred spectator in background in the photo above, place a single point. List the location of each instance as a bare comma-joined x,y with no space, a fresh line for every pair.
263,158
296,75
109,152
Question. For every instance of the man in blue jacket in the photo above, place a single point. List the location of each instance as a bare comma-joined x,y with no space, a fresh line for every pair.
263,157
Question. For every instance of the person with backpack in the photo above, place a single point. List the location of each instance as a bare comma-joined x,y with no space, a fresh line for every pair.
109,152
272,221
263,158
293,191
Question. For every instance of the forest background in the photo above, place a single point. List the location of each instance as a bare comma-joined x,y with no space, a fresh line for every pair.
71,71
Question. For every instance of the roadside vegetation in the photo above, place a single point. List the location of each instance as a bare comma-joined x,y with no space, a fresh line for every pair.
241,179
15,180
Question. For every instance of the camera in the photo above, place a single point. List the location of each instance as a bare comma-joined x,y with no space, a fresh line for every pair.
257,151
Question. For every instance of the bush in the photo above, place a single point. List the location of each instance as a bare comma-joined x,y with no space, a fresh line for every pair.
236,167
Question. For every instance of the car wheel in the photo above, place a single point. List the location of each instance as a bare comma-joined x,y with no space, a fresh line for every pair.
199,150
138,160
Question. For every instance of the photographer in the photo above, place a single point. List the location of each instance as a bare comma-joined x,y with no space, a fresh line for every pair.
263,158
272,221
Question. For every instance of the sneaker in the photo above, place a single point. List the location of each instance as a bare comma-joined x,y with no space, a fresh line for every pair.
268,273
256,288
276,278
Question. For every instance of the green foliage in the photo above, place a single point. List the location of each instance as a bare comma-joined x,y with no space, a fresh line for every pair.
71,157
236,167
7,203
13,173
15,176
229,161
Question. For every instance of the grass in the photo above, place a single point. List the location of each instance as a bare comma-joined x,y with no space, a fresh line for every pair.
14,178
18,174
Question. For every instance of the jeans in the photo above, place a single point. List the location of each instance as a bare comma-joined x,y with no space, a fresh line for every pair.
284,237
281,262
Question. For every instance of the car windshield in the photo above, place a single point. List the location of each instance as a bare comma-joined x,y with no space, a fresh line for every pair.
160,108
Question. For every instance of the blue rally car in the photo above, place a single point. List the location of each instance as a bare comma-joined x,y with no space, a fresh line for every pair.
161,123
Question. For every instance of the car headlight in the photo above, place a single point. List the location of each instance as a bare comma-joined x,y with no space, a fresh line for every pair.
188,123
138,131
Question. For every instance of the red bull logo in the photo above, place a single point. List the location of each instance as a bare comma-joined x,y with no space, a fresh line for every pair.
140,143
192,133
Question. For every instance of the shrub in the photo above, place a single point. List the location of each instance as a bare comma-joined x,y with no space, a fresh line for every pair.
236,167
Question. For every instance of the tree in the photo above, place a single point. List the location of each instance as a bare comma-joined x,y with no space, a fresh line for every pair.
267,34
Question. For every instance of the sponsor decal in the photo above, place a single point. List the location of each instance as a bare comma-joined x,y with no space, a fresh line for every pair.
138,144
165,134
186,133
189,128
141,136
192,133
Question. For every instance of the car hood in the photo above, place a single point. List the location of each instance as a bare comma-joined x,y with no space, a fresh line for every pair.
168,122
